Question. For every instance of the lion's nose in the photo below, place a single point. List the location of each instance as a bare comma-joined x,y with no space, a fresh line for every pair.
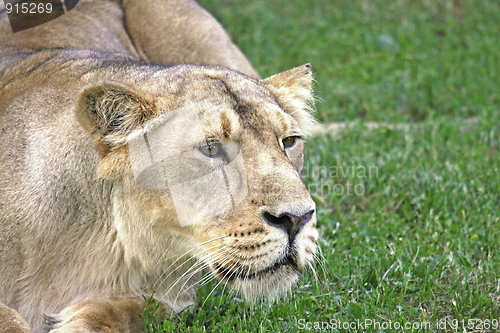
290,223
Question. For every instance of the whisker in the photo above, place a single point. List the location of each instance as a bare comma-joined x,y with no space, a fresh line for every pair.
186,253
203,266
244,279
212,274
320,259
194,267
179,266
222,280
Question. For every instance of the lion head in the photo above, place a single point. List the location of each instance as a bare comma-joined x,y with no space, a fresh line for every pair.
207,166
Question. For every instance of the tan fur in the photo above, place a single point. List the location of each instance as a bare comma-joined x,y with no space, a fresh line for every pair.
202,41
11,321
80,241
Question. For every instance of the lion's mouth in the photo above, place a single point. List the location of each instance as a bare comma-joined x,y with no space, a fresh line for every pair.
240,272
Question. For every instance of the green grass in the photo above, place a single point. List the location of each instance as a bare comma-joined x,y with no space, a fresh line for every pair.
421,242
377,59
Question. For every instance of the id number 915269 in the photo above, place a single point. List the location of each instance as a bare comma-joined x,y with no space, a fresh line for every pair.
28,8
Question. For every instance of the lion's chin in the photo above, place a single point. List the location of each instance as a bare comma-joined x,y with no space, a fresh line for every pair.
265,285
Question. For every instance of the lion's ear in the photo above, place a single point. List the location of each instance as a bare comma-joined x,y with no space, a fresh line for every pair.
293,91
110,111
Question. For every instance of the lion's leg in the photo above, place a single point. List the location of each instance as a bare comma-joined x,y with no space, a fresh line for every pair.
112,315
175,32
11,321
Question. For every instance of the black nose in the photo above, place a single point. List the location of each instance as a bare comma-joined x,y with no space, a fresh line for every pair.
290,223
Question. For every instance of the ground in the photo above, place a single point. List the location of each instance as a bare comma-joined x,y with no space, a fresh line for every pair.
409,215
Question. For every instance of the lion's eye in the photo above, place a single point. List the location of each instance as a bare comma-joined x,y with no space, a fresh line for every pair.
212,150
289,142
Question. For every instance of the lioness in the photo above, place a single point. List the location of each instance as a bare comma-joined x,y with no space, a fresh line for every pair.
94,213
